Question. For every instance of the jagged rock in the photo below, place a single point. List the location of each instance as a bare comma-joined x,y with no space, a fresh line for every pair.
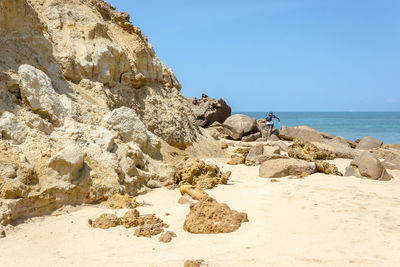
284,167
200,174
239,125
369,142
131,219
308,151
369,166
148,230
39,93
106,221
208,110
11,128
119,201
210,217
327,168
126,121
303,133
167,237
68,162
12,189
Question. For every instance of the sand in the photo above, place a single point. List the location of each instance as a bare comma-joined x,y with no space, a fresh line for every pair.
317,221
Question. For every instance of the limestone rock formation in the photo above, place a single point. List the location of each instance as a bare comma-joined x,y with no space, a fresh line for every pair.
369,142
200,174
369,166
85,106
208,110
210,217
239,125
276,168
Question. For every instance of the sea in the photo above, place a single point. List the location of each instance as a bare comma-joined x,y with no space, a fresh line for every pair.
349,125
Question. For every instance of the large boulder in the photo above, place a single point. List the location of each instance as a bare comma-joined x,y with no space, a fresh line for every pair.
37,90
369,166
276,168
303,133
239,125
369,142
126,121
208,110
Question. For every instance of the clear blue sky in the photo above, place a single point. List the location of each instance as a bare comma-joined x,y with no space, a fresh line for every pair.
281,55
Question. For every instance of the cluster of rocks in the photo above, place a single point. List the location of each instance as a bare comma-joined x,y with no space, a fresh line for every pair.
303,150
148,225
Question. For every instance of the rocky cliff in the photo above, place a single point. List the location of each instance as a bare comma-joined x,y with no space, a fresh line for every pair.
85,107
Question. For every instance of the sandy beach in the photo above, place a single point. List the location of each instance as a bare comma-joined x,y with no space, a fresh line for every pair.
317,221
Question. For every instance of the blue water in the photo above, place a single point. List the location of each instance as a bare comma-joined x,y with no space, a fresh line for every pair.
350,125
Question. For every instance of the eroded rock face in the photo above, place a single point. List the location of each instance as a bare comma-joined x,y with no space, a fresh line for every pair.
210,217
65,66
200,174
208,110
369,166
276,168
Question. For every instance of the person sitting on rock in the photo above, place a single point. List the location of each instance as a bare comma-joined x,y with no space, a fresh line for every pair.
270,123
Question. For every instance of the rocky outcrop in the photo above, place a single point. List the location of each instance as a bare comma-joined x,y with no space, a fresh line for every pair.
239,125
276,168
208,110
210,217
85,106
369,142
369,166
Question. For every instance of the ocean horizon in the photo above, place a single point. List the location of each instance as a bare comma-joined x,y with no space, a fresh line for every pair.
349,125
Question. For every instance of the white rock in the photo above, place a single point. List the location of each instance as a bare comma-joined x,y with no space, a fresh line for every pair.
37,89
68,162
12,128
126,121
